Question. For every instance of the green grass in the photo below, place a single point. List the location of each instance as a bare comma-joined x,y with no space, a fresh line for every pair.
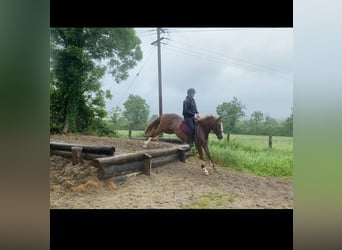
247,153
210,200
135,133
282,143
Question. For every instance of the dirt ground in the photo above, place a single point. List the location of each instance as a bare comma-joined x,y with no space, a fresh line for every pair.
175,185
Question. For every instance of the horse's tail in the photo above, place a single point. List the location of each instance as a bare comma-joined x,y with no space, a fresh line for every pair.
152,127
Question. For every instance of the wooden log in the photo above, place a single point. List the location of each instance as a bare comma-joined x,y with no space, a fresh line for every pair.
171,140
147,164
76,155
166,151
134,166
62,153
68,154
137,156
121,169
144,166
101,174
118,159
162,160
124,168
86,148
140,161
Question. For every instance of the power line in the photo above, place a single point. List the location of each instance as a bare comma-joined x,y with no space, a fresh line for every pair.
136,76
144,32
223,60
203,30
235,58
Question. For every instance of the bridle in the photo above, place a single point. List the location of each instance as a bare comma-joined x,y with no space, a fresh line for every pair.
220,131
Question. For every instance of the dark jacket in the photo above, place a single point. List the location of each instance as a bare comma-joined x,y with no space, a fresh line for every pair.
189,107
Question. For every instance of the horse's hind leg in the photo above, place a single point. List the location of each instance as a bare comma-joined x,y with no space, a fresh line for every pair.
153,134
146,142
200,152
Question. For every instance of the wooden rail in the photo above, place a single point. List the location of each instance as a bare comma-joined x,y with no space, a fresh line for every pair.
138,162
102,150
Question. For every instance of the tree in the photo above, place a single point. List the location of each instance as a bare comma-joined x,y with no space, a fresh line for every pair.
288,125
136,112
270,126
115,116
230,113
77,55
153,117
256,117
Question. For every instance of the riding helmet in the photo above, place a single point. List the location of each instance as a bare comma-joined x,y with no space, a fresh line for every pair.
191,91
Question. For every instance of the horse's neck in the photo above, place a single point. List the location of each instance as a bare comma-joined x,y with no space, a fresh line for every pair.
204,128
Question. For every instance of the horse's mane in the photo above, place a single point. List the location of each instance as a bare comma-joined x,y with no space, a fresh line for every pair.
203,118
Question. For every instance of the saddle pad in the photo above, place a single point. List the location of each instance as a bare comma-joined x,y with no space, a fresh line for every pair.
183,127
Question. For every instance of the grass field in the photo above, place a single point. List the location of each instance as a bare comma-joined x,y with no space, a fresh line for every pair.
251,153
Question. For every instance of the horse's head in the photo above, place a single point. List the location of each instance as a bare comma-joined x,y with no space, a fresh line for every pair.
216,126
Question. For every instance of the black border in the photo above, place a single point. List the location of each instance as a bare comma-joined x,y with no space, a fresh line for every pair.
169,228
72,13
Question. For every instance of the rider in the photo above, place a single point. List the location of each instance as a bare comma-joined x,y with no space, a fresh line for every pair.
190,113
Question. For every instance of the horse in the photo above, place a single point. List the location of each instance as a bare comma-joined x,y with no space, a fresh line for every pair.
174,124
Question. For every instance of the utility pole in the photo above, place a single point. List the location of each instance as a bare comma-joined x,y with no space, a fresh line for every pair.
159,70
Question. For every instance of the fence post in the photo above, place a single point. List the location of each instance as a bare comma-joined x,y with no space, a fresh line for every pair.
270,141
147,164
181,154
76,155
228,137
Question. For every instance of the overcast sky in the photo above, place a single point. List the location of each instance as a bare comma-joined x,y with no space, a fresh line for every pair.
255,65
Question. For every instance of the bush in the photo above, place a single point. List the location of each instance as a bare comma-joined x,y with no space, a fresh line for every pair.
103,128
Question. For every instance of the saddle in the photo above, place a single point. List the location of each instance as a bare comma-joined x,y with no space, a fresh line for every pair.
184,128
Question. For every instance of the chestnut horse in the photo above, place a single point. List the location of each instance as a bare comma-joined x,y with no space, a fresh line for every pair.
174,124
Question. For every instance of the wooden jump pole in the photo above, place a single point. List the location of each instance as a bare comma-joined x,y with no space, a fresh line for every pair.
137,156
85,148
141,161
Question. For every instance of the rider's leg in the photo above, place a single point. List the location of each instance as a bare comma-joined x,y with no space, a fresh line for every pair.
191,127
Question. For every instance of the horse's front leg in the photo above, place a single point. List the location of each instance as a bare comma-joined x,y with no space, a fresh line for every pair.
209,157
200,152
